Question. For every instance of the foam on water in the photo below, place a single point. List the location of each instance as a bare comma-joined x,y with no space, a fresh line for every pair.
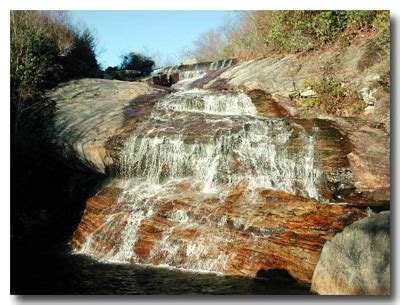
264,153
198,100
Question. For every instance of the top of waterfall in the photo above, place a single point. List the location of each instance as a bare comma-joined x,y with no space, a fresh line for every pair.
192,61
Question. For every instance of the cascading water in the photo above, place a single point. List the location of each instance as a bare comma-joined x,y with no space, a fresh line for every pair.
193,71
196,100
192,153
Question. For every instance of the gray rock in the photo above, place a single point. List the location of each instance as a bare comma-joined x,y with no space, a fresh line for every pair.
283,75
356,261
368,96
89,111
308,93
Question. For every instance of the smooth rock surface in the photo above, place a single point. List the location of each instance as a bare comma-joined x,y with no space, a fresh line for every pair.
359,66
88,112
356,261
369,161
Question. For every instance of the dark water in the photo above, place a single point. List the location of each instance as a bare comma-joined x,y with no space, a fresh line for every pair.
58,272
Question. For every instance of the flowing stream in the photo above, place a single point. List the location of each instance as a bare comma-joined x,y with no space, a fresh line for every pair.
198,145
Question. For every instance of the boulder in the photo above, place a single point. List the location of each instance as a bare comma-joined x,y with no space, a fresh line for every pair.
356,261
308,93
88,112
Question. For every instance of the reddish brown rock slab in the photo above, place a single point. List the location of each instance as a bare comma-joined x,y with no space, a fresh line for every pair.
98,208
240,234
369,161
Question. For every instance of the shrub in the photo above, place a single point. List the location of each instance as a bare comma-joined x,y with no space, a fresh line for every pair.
332,97
381,24
81,61
44,50
138,62
34,50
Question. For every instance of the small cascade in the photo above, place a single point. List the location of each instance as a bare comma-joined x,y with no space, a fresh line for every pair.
220,64
197,100
190,73
179,167
257,153
171,70
187,77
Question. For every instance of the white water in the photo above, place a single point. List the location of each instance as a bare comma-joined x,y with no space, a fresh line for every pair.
259,151
197,100
196,72
227,145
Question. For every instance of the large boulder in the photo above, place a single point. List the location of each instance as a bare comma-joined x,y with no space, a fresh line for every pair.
356,261
89,112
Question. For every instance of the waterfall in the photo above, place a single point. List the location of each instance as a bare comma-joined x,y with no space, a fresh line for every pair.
195,149
197,100
257,153
194,71
191,74
220,64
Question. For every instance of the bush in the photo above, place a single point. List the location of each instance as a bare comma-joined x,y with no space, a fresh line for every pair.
44,50
381,24
81,61
138,62
332,97
34,51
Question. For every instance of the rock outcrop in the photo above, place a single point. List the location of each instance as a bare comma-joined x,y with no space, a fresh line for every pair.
356,261
218,180
237,235
88,112
364,143
362,66
236,228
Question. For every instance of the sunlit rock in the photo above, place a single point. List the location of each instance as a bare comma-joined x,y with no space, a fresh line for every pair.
356,261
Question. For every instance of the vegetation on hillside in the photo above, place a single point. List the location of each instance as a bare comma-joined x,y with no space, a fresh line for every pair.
45,49
332,97
258,33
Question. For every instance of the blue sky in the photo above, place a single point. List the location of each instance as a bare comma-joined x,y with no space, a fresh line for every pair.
162,32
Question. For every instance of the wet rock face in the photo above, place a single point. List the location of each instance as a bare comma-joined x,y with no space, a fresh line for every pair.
241,232
214,180
356,261
207,183
172,136
360,147
369,162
